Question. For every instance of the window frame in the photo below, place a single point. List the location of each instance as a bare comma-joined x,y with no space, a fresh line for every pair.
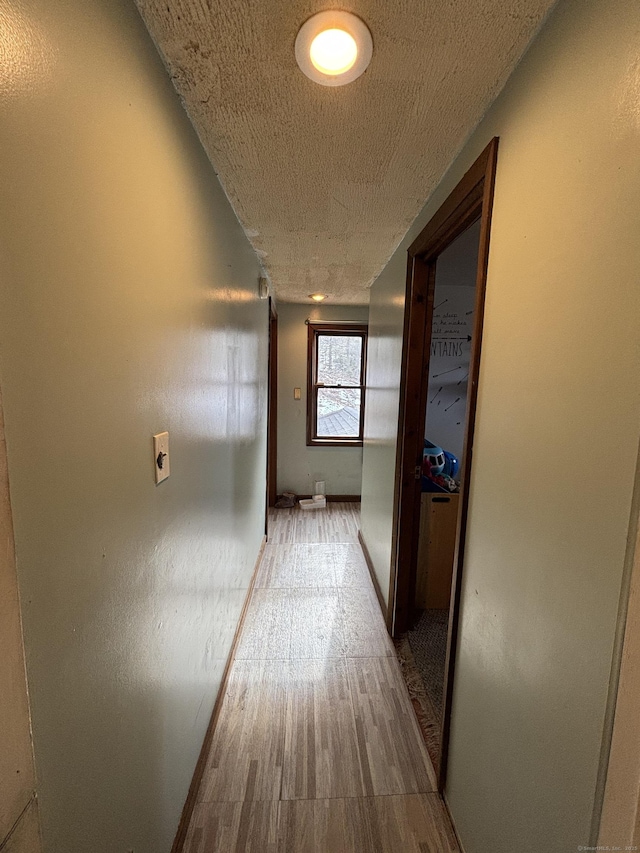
313,333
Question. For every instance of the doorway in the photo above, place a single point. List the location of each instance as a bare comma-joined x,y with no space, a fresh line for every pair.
446,281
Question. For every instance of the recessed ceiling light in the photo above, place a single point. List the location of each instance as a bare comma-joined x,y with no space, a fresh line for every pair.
317,297
333,47
333,51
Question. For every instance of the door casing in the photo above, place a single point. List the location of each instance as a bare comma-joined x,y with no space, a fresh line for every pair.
471,199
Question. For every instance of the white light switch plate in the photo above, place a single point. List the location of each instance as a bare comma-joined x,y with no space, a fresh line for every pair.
297,393
161,456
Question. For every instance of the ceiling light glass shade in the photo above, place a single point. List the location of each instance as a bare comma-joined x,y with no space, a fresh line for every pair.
333,51
317,297
334,48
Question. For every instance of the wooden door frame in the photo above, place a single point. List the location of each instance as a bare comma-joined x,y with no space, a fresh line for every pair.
471,199
272,408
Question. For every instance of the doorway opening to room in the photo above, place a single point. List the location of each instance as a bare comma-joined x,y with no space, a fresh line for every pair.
446,280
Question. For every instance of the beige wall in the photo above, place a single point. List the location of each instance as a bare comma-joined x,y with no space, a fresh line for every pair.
17,777
25,837
300,466
128,305
556,438
386,320
620,824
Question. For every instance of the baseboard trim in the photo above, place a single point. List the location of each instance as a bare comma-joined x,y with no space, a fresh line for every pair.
376,585
335,498
452,822
189,805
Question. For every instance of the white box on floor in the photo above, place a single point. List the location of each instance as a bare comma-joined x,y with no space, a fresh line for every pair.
313,503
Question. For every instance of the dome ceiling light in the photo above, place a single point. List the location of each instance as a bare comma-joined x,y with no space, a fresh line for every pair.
334,48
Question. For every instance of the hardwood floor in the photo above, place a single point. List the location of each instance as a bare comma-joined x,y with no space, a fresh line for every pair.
339,523
317,748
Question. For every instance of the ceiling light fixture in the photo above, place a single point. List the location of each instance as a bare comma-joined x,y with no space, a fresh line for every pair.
334,48
317,297
333,51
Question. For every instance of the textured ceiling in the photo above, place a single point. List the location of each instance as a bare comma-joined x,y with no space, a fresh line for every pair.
326,181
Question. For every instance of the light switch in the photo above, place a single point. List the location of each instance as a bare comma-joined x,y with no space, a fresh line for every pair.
297,394
161,456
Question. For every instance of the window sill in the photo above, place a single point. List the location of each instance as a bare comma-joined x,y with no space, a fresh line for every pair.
334,442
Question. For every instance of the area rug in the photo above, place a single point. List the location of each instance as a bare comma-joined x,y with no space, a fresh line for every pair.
421,653
428,641
428,719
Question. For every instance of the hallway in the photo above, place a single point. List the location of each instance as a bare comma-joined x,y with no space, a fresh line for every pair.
317,747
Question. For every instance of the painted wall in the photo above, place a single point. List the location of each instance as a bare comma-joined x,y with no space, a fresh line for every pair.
546,538
128,306
384,354
300,466
17,775
620,822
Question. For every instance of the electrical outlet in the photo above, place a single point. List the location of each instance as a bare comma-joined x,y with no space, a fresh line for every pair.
161,456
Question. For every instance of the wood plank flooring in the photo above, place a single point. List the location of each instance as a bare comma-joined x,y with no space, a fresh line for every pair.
317,747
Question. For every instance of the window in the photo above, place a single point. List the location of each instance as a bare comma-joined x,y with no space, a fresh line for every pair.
335,393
